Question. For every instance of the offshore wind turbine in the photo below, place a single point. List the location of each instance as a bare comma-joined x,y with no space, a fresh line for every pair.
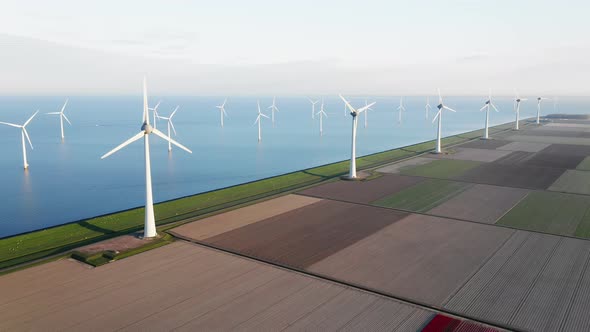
258,120
170,125
155,113
354,113
428,107
23,134
313,107
539,99
367,113
62,116
486,106
517,102
149,230
222,111
273,108
400,108
321,114
441,107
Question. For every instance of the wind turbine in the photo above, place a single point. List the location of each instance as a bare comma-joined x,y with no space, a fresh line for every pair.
539,99
401,108
321,114
23,133
146,129
517,101
273,108
354,113
155,112
486,106
428,107
222,111
367,113
62,116
441,107
170,124
313,107
260,114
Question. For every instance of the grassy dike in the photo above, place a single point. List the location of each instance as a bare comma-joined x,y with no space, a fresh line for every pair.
36,245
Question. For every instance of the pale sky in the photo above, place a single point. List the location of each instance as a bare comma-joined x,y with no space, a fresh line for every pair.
294,47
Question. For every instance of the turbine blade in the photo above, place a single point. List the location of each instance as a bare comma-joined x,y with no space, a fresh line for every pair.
162,117
159,133
171,115
494,106
146,116
264,115
223,110
31,118
483,108
257,119
53,113
223,105
172,125
439,96
348,105
64,106
360,110
124,144
65,117
436,116
11,124
28,138
448,108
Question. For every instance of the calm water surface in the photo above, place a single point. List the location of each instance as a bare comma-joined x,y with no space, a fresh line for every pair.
67,181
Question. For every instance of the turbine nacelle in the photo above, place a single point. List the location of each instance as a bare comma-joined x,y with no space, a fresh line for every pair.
147,128
439,106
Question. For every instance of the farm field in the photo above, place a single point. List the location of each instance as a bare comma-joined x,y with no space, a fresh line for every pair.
573,181
441,169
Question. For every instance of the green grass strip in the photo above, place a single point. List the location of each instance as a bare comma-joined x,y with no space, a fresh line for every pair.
551,212
441,169
423,196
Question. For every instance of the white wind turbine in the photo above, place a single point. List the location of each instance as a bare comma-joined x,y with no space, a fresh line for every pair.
273,108
517,101
441,107
354,113
400,108
539,99
313,107
258,120
222,111
170,125
23,134
155,113
428,107
146,129
367,113
321,114
486,106
62,116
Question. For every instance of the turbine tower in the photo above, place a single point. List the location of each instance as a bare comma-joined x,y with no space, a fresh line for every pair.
273,108
517,102
400,108
149,230
354,113
441,107
313,107
486,106
62,116
258,118
170,125
539,99
428,107
321,114
23,134
222,111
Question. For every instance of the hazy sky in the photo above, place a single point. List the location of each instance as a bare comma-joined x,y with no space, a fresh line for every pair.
294,47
